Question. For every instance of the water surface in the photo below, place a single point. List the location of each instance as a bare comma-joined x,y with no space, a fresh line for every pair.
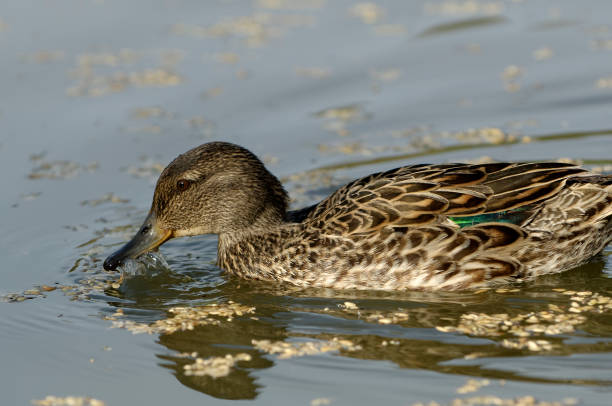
98,96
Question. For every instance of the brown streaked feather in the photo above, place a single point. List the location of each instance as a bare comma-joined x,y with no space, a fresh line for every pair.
496,235
487,268
530,179
458,177
523,197
463,201
422,203
498,171
395,196
398,220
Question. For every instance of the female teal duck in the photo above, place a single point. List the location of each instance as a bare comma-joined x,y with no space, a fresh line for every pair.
428,227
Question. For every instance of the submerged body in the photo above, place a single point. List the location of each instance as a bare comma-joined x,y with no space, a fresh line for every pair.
428,227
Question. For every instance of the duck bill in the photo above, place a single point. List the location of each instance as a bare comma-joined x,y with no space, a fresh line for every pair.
148,238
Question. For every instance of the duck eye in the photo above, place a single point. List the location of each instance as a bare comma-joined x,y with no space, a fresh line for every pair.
182,184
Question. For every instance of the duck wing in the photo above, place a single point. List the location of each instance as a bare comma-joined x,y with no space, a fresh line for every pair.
419,195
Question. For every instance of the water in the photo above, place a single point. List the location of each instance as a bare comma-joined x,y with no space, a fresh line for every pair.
98,95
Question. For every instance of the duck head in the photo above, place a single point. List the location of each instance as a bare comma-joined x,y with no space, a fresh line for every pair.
216,188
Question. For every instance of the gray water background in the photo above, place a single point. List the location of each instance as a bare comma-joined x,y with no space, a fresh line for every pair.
264,77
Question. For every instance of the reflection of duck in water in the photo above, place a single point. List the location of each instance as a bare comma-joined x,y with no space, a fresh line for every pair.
218,341
412,342
449,226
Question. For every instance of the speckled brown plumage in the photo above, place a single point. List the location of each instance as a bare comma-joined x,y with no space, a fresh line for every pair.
392,230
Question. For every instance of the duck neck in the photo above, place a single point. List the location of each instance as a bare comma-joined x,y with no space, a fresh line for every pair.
236,250
264,218
268,220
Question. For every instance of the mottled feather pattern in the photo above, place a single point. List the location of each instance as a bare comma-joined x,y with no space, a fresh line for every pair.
391,230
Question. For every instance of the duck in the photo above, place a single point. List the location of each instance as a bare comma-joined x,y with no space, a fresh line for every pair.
450,226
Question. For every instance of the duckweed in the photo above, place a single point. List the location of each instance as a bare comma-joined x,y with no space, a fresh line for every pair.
286,350
554,321
68,401
184,318
215,367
